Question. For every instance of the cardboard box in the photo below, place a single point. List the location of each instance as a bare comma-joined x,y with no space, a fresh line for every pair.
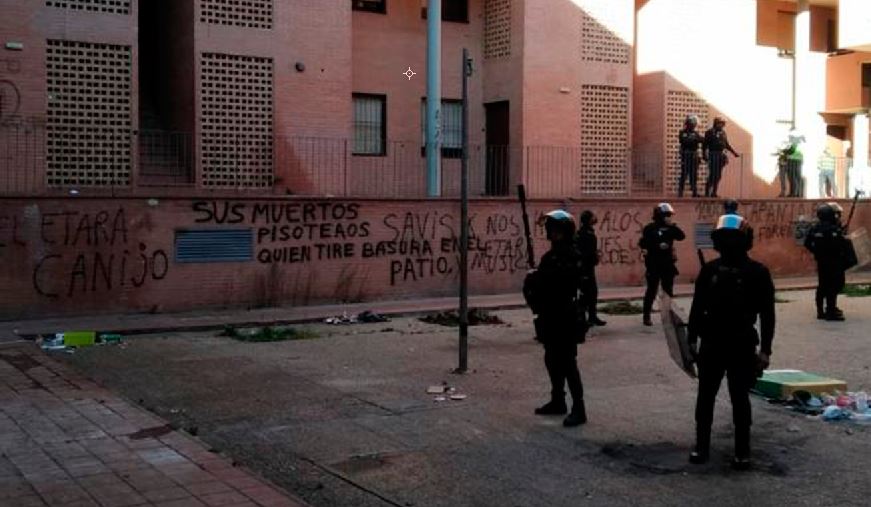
780,384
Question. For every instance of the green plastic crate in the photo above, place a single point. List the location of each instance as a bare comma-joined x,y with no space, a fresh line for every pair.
79,338
780,384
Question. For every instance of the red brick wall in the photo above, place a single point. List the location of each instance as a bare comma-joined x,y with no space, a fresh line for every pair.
69,256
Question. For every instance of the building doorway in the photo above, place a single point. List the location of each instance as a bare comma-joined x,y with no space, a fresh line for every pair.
497,153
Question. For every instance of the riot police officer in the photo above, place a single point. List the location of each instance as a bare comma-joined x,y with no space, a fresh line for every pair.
552,292
588,249
657,244
827,242
731,293
715,144
689,140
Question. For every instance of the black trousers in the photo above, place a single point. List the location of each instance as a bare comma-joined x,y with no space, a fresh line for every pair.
738,364
590,289
689,169
655,277
783,177
560,359
716,162
793,174
830,282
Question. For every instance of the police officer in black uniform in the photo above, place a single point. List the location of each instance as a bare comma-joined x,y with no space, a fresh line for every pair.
731,293
690,140
827,242
657,244
715,144
588,248
553,294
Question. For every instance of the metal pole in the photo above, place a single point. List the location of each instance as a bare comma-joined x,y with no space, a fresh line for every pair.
464,220
433,98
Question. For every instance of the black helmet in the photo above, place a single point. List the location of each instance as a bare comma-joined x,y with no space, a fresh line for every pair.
730,206
826,213
732,234
662,210
559,220
839,211
587,217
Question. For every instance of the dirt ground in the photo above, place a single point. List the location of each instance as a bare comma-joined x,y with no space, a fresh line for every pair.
344,419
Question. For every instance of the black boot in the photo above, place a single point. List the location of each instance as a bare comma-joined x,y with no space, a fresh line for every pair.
834,315
596,321
741,461
577,417
702,451
553,407
647,321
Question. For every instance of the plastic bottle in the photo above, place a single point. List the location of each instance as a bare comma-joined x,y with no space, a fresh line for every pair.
861,402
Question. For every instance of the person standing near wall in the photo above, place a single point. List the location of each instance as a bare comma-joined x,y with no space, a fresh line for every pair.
715,144
553,293
827,242
794,163
657,245
826,167
690,140
588,247
731,293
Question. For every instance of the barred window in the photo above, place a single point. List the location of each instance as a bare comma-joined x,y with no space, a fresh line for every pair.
452,127
452,10
370,124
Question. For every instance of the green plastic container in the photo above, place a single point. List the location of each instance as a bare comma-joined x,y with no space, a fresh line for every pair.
80,338
780,384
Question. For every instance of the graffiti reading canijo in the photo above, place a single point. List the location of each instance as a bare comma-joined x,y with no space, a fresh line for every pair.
72,253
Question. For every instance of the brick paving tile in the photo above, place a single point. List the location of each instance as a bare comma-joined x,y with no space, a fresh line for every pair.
205,488
187,502
67,442
166,494
147,480
222,499
24,501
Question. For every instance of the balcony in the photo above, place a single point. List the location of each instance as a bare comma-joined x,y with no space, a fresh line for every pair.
848,83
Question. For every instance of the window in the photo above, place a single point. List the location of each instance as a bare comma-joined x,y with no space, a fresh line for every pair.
456,11
370,124
452,127
379,6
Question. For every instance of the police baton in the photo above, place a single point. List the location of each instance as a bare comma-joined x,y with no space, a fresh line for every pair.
530,254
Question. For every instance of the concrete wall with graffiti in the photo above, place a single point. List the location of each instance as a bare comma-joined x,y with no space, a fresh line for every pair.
69,255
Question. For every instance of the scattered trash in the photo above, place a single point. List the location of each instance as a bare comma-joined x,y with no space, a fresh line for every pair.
369,317
69,341
781,384
268,334
793,429
439,399
458,397
451,318
343,320
445,392
621,307
835,413
780,299
436,389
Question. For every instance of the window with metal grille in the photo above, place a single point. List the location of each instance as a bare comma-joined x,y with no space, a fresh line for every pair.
452,127
214,245
241,13
679,105
378,6
89,124
604,139
370,124
456,11
105,6
497,28
236,109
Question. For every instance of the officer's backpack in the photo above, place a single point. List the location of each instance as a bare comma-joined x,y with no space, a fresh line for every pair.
728,295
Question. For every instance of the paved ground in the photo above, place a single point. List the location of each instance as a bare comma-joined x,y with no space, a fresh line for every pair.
65,441
345,419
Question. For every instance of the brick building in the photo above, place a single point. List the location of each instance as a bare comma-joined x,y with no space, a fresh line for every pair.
572,97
